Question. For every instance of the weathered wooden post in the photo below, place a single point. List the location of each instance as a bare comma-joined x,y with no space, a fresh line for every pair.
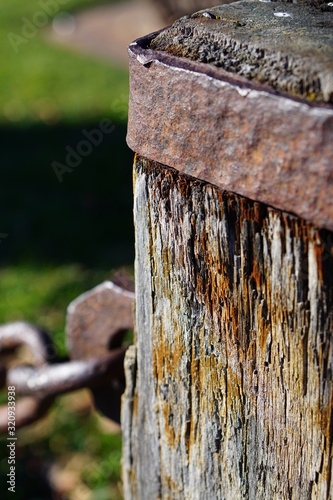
229,385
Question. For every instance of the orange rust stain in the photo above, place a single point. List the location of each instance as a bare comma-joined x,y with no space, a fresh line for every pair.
321,252
169,431
256,275
172,486
264,329
167,356
234,391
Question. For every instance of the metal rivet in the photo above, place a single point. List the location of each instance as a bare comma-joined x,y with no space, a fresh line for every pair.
282,14
209,15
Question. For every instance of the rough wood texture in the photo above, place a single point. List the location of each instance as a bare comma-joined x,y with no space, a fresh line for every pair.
232,394
287,46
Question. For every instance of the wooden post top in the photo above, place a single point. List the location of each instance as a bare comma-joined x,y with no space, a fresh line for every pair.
241,96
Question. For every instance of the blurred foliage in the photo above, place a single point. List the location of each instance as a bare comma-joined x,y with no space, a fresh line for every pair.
66,456
61,238
44,83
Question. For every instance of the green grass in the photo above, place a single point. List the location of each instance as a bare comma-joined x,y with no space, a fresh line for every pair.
62,238
41,82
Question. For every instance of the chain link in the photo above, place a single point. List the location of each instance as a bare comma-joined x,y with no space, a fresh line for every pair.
40,384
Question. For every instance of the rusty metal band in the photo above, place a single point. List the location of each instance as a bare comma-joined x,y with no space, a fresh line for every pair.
239,135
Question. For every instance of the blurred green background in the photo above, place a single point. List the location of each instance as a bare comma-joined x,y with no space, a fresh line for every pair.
60,239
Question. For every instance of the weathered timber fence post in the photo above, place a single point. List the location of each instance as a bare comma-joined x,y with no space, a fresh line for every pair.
229,385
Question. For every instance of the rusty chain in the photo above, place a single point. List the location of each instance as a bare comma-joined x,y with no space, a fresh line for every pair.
96,324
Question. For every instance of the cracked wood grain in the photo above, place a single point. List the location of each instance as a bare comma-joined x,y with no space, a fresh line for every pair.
232,392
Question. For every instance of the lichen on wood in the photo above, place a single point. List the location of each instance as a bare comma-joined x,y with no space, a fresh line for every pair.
232,393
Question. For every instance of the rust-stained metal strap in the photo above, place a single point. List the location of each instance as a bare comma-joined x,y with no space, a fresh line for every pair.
237,134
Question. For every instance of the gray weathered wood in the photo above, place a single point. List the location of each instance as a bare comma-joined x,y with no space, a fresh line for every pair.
233,388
